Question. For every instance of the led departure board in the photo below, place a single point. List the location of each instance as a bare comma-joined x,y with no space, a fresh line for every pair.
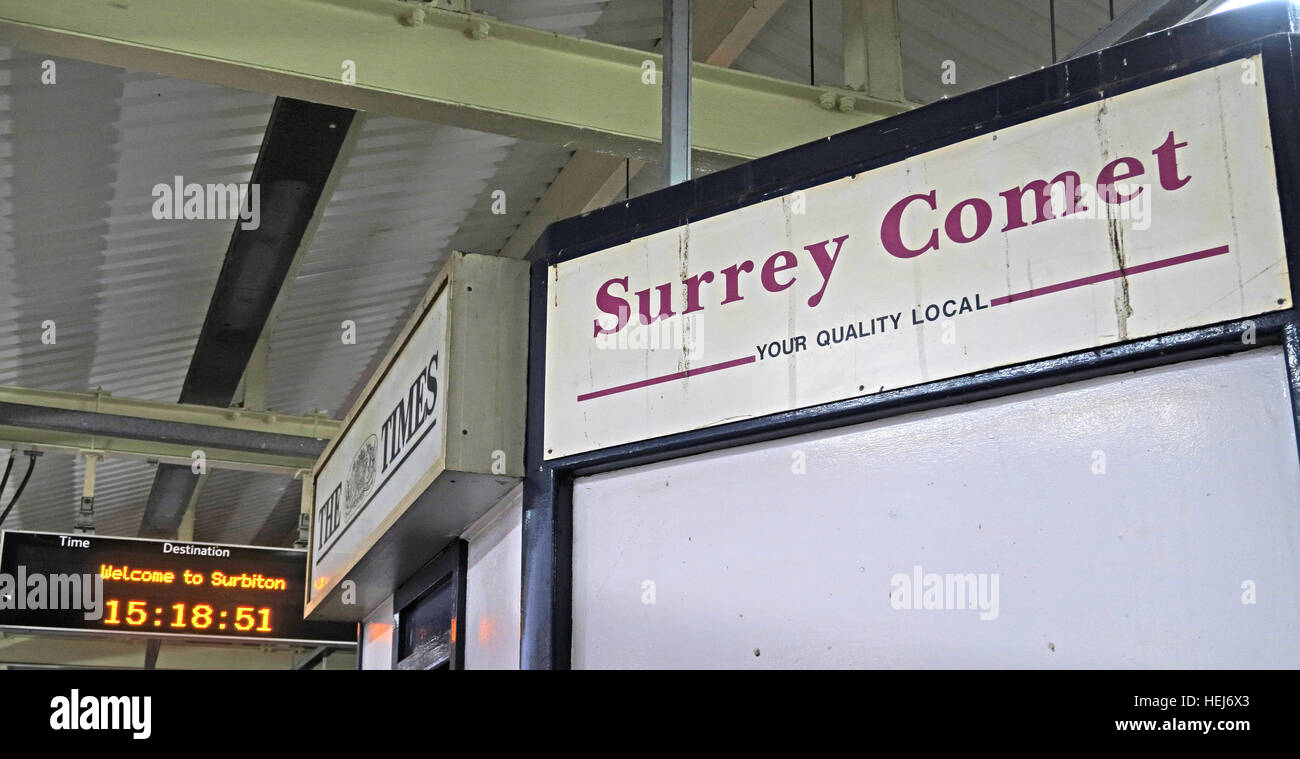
157,588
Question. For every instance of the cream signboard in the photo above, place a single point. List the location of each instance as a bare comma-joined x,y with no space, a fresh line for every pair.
434,440
365,477
1144,213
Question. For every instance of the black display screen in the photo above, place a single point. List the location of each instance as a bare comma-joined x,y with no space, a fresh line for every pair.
157,588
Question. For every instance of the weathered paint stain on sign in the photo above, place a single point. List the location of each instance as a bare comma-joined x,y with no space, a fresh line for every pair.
1149,212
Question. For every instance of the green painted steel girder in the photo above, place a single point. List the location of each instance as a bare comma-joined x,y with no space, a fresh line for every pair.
313,427
230,438
418,61
80,650
26,438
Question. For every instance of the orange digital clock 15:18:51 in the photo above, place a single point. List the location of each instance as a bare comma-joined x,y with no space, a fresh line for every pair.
199,617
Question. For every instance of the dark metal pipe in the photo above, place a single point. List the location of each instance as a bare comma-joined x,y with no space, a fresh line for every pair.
136,428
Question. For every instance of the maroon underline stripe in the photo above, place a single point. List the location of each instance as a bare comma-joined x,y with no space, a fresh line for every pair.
666,378
1095,278
1082,281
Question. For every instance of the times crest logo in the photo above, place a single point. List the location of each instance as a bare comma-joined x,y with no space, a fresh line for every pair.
361,477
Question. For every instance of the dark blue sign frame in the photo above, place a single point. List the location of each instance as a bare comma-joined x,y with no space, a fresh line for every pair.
1268,29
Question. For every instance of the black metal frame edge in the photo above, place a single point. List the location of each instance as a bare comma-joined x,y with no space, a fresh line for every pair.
451,562
546,602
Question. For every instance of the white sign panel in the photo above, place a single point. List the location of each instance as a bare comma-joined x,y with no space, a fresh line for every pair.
387,448
1145,213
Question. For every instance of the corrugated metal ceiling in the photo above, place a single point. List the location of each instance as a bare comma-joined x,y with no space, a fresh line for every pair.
79,247
128,293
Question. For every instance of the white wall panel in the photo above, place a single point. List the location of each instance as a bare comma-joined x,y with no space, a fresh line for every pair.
1137,559
377,638
492,586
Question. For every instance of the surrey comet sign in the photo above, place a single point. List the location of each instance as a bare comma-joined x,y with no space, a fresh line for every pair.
1145,213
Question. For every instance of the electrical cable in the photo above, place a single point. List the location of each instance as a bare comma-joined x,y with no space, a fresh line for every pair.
31,464
812,53
8,467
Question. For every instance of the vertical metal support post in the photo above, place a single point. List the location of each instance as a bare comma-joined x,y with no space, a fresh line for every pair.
85,524
186,529
1291,352
873,61
304,511
546,611
256,376
677,91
